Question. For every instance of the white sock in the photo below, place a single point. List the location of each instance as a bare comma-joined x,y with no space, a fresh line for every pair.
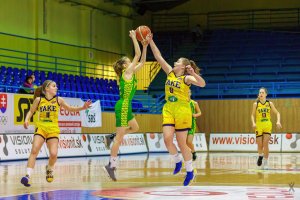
29,171
189,165
261,154
265,162
113,161
176,158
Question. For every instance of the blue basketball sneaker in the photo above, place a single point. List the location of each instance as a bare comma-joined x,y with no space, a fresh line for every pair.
190,176
177,168
26,181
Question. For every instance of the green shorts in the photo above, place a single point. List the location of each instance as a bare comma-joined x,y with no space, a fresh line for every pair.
123,112
193,128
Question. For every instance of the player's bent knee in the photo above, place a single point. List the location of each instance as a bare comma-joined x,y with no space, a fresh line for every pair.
34,152
53,155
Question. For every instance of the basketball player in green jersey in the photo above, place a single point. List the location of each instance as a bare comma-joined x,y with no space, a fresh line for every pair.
196,112
125,121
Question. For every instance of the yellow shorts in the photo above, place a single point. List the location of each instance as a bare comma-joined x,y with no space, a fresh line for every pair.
46,135
177,114
263,128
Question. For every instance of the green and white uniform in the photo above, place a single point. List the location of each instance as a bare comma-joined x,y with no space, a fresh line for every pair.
193,128
123,108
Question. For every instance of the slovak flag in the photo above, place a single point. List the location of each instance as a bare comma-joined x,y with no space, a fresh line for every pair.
3,102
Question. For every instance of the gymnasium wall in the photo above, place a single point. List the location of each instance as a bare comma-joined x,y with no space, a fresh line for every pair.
221,116
218,116
47,29
198,9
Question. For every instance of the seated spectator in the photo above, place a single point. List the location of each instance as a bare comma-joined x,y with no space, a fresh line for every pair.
27,87
33,79
197,33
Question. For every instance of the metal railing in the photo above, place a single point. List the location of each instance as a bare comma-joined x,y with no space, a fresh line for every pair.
242,19
255,19
27,60
170,22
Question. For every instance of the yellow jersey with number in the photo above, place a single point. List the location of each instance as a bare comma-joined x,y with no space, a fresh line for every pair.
263,112
176,89
48,114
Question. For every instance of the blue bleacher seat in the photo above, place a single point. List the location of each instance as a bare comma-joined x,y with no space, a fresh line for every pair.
3,69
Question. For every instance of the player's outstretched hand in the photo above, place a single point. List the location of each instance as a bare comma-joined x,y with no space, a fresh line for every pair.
87,104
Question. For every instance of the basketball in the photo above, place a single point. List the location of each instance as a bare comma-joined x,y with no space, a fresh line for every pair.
288,136
142,32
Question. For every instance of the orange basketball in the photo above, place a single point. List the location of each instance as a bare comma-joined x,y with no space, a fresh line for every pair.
142,32
288,136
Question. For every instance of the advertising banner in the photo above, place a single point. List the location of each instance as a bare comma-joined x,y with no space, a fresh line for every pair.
156,142
94,144
13,110
70,122
241,142
70,145
18,146
200,142
291,142
92,116
133,143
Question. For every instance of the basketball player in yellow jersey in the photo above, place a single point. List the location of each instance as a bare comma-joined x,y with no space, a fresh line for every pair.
261,111
47,104
177,114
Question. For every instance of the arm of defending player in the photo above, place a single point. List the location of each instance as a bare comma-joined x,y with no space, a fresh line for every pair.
164,65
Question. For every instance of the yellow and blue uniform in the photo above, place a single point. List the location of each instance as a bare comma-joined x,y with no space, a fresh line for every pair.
263,119
47,124
177,111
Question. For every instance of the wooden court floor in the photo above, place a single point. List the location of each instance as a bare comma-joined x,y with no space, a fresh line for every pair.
148,176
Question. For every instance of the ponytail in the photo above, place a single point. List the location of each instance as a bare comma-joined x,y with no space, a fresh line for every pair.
118,66
41,90
195,67
37,92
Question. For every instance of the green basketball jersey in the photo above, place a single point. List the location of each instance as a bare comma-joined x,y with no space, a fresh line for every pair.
123,108
193,128
127,87
192,104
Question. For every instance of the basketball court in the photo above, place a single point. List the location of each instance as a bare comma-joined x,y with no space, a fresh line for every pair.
226,176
